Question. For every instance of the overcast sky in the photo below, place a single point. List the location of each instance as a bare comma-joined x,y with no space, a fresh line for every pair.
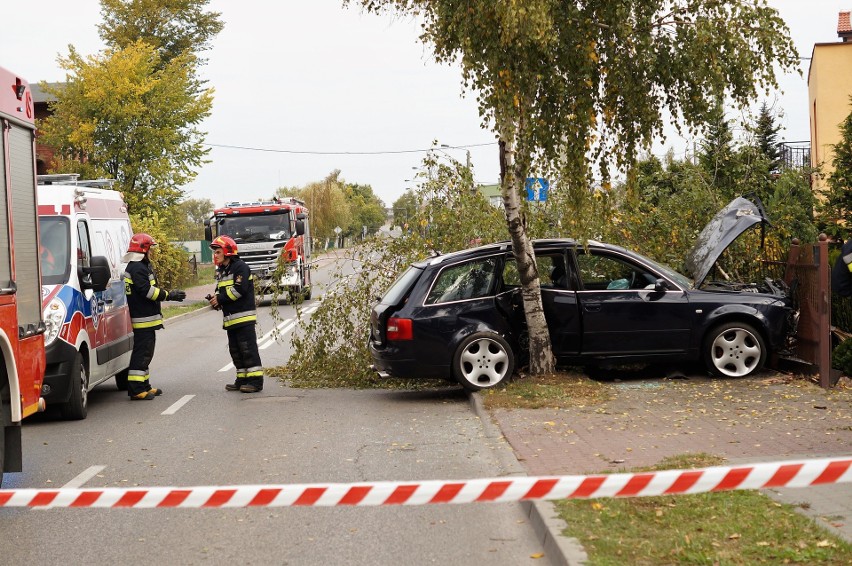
313,87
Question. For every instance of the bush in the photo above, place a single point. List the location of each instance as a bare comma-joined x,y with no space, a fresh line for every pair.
170,262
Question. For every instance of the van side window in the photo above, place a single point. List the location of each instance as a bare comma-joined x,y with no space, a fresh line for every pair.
471,280
83,250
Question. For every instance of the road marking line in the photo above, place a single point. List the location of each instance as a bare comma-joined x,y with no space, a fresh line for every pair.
270,342
83,477
177,405
227,367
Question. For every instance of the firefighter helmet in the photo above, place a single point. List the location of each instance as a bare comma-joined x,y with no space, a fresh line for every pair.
229,246
141,243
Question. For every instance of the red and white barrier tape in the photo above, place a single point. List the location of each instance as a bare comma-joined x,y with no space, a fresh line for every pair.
803,473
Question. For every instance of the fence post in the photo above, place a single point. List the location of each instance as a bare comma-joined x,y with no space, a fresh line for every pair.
824,341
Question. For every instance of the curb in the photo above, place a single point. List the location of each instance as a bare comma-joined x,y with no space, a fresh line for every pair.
546,523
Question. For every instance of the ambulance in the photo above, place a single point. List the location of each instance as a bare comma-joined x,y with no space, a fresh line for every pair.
85,231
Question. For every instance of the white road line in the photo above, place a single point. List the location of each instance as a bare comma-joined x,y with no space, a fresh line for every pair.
227,367
177,405
83,477
270,342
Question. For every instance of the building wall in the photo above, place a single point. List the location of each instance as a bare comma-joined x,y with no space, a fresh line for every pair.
829,90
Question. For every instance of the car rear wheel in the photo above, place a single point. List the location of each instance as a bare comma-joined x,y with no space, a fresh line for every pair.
483,360
77,406
734,349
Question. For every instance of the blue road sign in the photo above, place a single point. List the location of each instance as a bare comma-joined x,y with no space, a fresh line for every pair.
537,189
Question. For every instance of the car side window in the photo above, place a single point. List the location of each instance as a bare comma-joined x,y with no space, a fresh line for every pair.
551,271
470,280
605,272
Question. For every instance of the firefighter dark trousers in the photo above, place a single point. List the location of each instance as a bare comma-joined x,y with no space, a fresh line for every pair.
143,352
242,345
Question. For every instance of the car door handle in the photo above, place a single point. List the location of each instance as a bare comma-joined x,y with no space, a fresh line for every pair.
592,307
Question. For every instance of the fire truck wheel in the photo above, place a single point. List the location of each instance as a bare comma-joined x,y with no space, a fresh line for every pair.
306,293
121,380
77,406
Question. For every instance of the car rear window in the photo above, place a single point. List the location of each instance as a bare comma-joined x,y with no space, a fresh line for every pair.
401,286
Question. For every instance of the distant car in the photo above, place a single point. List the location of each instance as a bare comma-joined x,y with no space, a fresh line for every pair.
459,316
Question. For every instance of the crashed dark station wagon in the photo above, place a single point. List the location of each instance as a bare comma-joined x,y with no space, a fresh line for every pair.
459,316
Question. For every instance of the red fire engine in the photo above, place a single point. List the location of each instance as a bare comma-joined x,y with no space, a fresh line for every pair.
273,238
22,360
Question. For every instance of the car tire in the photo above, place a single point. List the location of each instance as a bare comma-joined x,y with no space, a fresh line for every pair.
483,360
734,349
121,380
76,408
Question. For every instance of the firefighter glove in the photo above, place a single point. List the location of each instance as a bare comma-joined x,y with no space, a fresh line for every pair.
176,296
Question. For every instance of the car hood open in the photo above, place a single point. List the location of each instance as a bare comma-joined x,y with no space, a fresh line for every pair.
728,224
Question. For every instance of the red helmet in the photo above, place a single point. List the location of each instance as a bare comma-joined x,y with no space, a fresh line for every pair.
141,243
229,246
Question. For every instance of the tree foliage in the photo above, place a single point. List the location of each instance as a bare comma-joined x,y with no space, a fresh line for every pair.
169,261
329,350
572,88
173,27
185,221
126,114
838,205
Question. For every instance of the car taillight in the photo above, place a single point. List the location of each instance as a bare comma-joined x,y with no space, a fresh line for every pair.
399,329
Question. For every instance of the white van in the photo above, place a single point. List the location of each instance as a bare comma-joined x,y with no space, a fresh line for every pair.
84,231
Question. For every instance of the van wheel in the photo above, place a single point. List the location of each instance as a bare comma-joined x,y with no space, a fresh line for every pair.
734,349
121,380
77,406
483,360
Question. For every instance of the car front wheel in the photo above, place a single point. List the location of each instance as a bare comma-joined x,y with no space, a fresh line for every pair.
483,360
734,349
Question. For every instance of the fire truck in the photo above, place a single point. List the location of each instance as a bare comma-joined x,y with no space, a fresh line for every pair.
273,238
22,360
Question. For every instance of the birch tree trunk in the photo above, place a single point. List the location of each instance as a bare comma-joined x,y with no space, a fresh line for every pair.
512,181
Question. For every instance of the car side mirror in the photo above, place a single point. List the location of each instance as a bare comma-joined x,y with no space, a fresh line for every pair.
660,286
96,276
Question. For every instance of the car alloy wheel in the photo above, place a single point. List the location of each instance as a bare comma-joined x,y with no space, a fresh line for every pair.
735,349
483,360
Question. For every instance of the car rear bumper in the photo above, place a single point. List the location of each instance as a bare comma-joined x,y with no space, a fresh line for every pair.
390,362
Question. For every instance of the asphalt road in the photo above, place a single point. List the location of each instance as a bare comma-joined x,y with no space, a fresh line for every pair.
199,434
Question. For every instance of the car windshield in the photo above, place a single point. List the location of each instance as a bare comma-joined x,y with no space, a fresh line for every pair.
401,286
54,249
260,228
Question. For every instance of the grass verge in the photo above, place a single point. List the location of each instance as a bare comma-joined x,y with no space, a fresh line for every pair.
172,311
735,527
555,390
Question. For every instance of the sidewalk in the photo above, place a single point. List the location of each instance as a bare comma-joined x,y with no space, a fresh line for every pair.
768,418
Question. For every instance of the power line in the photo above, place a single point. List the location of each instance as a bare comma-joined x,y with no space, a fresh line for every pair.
305,152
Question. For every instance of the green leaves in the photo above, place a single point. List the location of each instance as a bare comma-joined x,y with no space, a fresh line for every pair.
134,118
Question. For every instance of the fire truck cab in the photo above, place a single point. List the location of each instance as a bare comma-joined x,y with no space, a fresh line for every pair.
22,328
273,238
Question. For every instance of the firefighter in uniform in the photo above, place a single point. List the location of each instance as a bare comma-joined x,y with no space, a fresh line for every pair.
143,298
235,296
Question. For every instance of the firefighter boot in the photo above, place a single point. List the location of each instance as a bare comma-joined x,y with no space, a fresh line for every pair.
232,386
154,391
144,396
253,387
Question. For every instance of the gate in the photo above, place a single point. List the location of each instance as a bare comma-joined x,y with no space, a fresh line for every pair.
807,273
